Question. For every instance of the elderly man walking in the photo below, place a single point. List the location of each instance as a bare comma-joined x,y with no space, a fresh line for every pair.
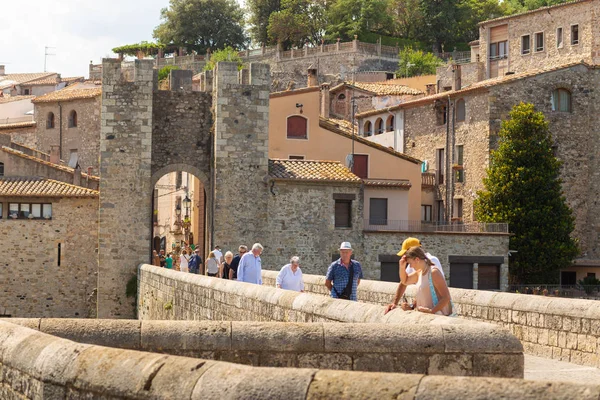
250,270
344,275
290,276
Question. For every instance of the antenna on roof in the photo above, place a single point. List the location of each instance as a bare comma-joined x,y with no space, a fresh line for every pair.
46,54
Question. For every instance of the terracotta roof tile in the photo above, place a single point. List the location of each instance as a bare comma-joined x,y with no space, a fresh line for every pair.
336,128
381,88
313,171
389,183
568,3
18,125
42,187
482,85
68,94
10,99
18,79
47,163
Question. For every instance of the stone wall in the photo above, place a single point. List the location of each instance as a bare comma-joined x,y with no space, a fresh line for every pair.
84,138
240,156
36,365
33,281
25,136
416,349
301,222
550,327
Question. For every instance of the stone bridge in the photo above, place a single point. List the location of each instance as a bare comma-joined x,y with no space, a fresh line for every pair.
201,337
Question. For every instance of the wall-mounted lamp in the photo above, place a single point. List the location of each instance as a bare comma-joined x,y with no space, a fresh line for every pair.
299,105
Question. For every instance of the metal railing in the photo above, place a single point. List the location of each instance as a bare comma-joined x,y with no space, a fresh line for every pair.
7,121
570,291
378,225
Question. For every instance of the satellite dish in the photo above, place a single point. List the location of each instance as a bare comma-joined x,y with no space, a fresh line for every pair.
74,160
350,161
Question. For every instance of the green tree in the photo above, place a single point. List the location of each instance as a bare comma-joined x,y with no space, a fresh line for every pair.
298,22
164,72
523,189
518,6
441,20
416,62
471,13
260,11
406,17
199,25
226,54
347,18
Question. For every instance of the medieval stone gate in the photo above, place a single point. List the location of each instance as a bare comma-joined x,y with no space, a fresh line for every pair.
147,133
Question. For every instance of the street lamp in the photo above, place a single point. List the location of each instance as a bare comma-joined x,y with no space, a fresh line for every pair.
178,211
186,203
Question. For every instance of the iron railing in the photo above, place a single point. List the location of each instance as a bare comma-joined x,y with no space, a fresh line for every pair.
377,225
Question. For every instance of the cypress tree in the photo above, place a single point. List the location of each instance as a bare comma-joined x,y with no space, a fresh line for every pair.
523,189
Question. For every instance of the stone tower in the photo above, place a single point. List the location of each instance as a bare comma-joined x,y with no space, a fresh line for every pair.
125,224
241,160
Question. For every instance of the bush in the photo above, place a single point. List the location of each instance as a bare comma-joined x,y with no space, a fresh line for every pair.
416,63
589,284
164,72
226,54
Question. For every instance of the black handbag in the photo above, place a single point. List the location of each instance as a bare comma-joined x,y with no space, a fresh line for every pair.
347,292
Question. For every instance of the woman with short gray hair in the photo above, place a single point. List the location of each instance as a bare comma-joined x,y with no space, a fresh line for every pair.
290,276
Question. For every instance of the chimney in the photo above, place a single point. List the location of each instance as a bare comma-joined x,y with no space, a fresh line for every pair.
313,79
77,176
325,101
90,171
2,70
457,75
5,140
55,154
430,89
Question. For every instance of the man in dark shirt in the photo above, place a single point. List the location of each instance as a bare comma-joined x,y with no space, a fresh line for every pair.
236,262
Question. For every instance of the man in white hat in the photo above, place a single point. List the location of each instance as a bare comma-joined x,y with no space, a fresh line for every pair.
344,275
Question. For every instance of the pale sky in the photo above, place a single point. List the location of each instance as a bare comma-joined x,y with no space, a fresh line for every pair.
80,31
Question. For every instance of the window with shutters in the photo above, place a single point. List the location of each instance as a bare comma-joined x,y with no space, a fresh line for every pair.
460,110
539,41
378,211
488,277
343,213
297,127
426,212
561,100
525,44
360,166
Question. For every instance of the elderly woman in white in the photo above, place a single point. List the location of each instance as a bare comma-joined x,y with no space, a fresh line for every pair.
290,276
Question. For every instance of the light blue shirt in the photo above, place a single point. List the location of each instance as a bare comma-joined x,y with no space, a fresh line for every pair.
250,269
290,280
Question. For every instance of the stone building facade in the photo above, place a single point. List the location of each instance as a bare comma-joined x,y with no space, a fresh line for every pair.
50,249
70,119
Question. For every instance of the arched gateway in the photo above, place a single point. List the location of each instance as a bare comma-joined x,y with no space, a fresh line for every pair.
147,133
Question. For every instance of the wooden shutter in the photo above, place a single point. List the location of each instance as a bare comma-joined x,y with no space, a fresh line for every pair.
499,33
461,276
361,166
296,127
342,213
378,211
488,277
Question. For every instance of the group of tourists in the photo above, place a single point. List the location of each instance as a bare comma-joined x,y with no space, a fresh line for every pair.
416,267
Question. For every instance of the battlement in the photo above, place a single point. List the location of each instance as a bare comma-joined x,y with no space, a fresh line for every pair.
227,73
114,72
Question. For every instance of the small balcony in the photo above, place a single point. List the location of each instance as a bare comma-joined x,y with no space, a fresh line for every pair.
428,180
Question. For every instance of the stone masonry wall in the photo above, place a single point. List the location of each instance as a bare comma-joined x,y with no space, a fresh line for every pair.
549,327
33,284
85,138
24,136
125,187
302,222
575,135
432,348
240,156
36,365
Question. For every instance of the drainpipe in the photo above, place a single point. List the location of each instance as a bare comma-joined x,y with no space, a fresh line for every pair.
59,132
452,147
448,166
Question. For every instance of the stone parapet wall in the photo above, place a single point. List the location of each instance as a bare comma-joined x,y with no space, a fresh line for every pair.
554,328
420,349
170,295
36,365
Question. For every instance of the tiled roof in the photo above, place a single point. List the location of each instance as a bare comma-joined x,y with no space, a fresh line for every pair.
568,3
68,94
10,99
313,171
17,125
381,88
474,43
18,79
43,82
47,163
482,85
42,187
388,183
73,79
284,93
343,124
335,128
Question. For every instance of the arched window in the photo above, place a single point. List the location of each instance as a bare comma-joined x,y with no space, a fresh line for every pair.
342,97
73,119
389,126
50,121
561,100
368,128
379,126
460,110
297,127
